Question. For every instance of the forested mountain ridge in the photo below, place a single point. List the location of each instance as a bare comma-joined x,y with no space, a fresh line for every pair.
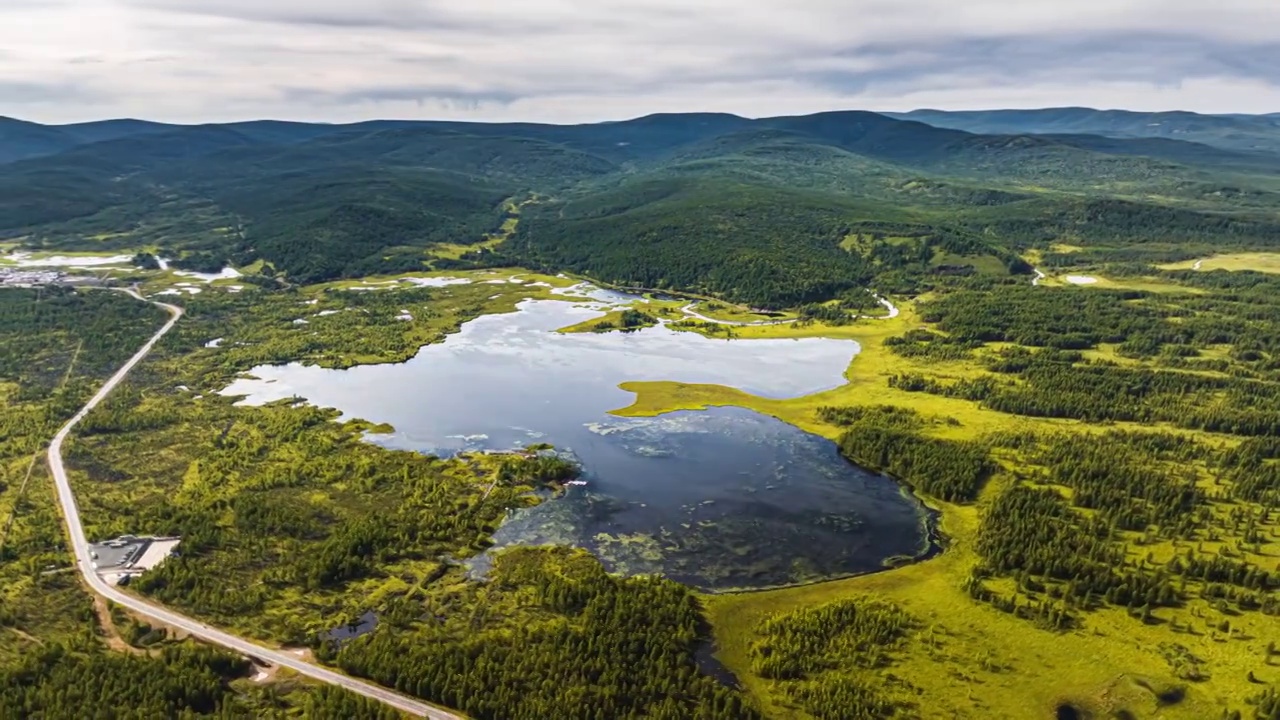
1146,547
709,202
1235,132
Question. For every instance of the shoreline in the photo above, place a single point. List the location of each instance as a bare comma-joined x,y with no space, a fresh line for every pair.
936,542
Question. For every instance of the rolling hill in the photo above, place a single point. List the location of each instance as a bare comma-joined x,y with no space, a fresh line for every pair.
20,140
758,210
1244,133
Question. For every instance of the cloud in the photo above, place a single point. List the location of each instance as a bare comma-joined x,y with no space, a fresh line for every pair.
419,94
387,14
20,93
1160,59
581,60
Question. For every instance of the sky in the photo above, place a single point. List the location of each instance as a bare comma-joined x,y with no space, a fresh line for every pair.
590,60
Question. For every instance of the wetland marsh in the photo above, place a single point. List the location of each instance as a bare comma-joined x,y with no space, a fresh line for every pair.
721,499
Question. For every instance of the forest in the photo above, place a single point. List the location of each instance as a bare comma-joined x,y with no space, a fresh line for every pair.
1067,543
1237,394
730,242
888,439
54,657
1101,459
757,211
293,524
602,647
1160,500
805,651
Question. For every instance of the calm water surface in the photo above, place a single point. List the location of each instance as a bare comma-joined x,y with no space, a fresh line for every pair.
720,499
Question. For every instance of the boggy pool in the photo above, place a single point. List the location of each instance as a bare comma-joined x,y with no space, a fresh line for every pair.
721,499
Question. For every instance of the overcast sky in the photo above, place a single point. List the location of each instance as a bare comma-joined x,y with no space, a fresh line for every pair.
584,60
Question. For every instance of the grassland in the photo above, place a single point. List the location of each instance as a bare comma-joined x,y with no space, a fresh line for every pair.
723,318
1264,262
862,243
971,660
455,251
267,495
731,313
1104,282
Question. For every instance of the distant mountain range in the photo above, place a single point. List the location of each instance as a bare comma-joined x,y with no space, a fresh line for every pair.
761,210
1248,133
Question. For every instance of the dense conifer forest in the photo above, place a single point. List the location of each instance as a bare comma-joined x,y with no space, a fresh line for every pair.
1079,373
54,661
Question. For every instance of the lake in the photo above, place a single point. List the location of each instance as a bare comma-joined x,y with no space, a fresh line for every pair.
721,499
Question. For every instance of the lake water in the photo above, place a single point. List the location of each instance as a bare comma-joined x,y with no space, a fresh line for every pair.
720,499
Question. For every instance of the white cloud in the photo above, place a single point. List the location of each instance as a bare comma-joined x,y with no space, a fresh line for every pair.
577,60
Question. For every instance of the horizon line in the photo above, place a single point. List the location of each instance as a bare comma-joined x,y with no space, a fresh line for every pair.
886,113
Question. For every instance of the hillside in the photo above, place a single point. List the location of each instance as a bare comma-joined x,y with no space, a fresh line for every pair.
1065,387
750,243
1244,133
757,210
20,140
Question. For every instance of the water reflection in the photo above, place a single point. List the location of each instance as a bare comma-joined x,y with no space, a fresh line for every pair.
719,499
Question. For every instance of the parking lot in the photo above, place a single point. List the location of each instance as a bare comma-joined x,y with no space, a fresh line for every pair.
128,555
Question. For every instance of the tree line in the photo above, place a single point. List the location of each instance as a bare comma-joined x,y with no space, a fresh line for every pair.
812,655
605,648
889,440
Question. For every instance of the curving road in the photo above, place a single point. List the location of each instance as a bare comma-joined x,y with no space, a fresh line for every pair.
160,614
690,312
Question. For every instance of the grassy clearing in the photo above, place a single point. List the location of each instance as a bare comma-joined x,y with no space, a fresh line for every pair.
984,264
610,321
970,660
1255,261
735,313
1154,285
455,251
678,310
866,384
862,243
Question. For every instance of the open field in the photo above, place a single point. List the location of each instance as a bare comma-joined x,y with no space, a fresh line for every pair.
1255,261
1144,284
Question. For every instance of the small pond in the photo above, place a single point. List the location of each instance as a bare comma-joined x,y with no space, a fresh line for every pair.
722,499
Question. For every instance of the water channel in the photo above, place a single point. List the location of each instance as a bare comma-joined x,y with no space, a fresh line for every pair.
721,499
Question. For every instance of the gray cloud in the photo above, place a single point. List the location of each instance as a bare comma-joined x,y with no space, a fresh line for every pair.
596,59
1148,58
17,92
370,14
418,94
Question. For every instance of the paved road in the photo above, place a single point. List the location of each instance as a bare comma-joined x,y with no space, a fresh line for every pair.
160,614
